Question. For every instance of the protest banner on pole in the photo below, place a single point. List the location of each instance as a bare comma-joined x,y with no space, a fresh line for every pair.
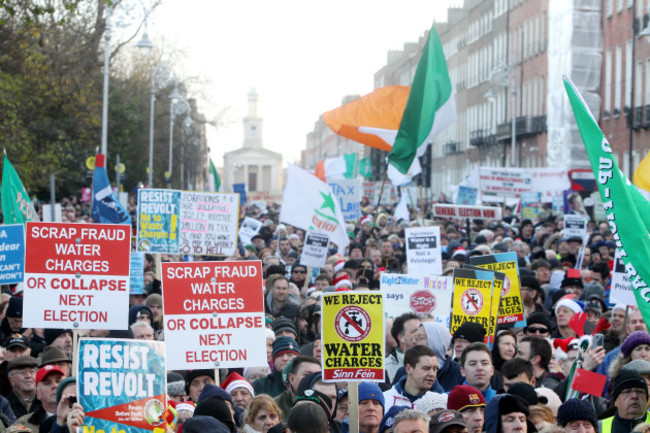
208,223
136,277
352,327
423,251
575,225
467,195
557,205
122,385
621,287
472,298
315,249
499,278
249,228
511,309
77,276
12,253
348,192
158,220
419,294
240,188
214,314
513,181
184,222
456,211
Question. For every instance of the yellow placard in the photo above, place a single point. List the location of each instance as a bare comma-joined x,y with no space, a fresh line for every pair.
472,298
352,327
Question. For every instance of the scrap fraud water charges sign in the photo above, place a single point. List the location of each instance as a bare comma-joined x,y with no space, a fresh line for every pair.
121,385
77,275
353,337
214,314
185,222
456,211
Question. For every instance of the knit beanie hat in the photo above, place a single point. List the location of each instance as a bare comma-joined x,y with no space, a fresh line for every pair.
15,307
430,401
463,397
470,331
316,397
285,344
283,324
216,407
193,374
540,318
512,403
633,340
575,409
627,379
371,391
175,384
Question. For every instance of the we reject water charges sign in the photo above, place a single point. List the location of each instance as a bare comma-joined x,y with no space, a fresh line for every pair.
353,337
121,385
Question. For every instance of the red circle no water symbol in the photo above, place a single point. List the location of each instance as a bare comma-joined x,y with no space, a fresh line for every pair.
352,323
423,302
471,301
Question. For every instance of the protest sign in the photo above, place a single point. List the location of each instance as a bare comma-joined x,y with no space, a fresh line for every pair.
531,203
208,223
240,188
456,211
77,276
348,192
511,309
423,253
466,195
136,277
419,294
214,314
12,253
472,298
86,195
499,278
249,228
121,385
513,181
353,337
269,197
575,225
558,205
315,249
621,288
158,220
184,222
47,213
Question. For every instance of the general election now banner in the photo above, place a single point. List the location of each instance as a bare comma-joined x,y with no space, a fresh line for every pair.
214,314
185,222
419,294
457,211
77,276
121,385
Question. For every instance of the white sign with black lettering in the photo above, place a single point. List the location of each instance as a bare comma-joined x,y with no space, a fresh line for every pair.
575,225
423,253
315,248
621,292
249,228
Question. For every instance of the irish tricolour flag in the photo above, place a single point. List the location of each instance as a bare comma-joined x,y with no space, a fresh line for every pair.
430,109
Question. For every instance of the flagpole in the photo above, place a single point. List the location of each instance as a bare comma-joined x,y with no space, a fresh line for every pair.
381,192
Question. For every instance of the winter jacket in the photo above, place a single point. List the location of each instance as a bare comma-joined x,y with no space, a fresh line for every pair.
392,364
397,396
268,303
270,384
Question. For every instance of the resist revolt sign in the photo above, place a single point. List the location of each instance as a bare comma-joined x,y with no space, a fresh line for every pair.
214,314
77,276
122,385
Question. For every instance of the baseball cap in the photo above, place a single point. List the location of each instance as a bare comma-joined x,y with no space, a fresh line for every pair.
446,419
16,340
44,371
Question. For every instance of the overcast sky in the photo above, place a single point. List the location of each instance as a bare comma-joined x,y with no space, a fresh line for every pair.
301,56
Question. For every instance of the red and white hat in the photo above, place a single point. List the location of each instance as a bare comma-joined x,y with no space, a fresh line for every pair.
338,266
343,280
236,380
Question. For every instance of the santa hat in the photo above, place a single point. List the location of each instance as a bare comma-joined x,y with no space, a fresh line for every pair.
563,345
236,380
342,283
340,278
571,304
338,266
366,219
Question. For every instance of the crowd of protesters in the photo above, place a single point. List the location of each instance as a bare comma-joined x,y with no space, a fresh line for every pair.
435,381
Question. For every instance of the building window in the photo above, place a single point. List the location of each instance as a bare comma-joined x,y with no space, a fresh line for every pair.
638,83
618,78
609,7
619,6
628,75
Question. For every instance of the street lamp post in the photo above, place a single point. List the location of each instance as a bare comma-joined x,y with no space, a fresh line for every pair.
178,105
504,76
107,52
163,70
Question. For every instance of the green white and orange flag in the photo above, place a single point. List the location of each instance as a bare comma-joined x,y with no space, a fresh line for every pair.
373,119
341,167
214,180
627,211
430,109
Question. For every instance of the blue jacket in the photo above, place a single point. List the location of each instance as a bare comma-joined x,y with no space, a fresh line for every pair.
452,377
607,361
489,393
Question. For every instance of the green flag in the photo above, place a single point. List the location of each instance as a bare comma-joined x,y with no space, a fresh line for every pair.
17,207
213,178
430,109
365,167
622,202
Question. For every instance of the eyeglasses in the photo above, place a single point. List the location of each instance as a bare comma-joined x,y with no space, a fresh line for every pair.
533,330
24,371
630,391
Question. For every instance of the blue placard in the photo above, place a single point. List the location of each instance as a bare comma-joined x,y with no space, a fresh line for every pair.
121,385
158,222
12,253
467,195
136,274
240,188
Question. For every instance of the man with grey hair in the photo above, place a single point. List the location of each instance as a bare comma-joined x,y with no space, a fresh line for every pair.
142,331
411,421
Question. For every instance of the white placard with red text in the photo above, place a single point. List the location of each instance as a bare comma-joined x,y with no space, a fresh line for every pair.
77,276
460,211
214,314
